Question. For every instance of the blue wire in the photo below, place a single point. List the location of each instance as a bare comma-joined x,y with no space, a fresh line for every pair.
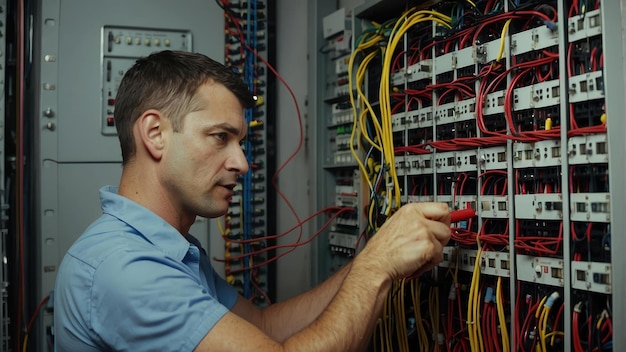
247,178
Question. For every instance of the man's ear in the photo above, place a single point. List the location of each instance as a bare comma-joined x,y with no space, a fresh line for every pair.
150,126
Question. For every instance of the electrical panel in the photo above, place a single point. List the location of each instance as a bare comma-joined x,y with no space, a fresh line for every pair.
342,194
80,51
511,108
248,226
121,46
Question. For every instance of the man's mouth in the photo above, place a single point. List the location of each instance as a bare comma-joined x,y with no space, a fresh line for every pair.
230,186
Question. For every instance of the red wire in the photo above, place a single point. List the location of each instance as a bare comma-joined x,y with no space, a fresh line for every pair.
326,210
527,324
300,129
362,235
462,322
300,140
34,317
494,323
555,326
297,244
485,320
589,328
573,10
516,316
576,333
608,325
258,288
396,66
291,247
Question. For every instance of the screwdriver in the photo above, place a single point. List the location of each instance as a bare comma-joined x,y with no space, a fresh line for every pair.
462,214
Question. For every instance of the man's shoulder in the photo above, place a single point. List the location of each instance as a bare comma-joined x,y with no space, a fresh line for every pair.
104,239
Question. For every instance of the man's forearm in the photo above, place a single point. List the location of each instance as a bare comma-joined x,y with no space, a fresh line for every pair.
409,241
348,321
282,320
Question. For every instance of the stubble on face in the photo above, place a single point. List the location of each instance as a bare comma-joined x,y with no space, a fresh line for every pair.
204,160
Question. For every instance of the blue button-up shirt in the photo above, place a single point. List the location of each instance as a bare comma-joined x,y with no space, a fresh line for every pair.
132,282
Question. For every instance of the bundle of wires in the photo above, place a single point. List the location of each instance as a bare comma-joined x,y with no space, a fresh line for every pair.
381,42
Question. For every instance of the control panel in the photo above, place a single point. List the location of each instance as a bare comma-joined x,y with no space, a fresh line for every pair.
121,46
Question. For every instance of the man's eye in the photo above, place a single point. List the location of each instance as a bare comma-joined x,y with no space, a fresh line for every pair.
221,136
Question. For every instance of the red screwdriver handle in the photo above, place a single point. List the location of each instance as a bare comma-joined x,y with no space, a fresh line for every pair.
462,214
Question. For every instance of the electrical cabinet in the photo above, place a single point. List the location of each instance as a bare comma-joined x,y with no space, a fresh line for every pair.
80,52
511,108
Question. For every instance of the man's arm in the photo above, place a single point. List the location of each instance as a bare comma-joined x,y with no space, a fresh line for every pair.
344,324
282,320
409,241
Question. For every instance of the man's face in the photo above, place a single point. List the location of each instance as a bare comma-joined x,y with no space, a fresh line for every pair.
201,163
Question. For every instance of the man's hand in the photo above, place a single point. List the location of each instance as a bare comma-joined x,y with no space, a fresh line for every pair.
411,241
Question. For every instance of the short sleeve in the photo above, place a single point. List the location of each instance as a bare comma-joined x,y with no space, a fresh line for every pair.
150,302
226,293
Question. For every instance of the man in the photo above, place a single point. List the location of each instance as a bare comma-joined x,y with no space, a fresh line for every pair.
137,281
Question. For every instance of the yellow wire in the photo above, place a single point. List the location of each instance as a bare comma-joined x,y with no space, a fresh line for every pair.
425,342
479,332
388,326
542,331
503,326
384,340
401,332
397,34
416,311
472,318
219,227
354,125
539,346
539,316
433,310
502,39
383,142
359,121
419,324
553,334
540,307
25,343
382,129
603,315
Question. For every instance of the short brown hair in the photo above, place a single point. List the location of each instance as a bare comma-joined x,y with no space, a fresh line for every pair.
168,81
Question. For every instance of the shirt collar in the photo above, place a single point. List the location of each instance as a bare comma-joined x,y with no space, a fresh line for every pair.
147,224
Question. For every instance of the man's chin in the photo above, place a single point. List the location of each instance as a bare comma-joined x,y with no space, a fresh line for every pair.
215,212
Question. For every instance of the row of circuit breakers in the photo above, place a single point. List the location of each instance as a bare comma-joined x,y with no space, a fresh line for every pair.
464,104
